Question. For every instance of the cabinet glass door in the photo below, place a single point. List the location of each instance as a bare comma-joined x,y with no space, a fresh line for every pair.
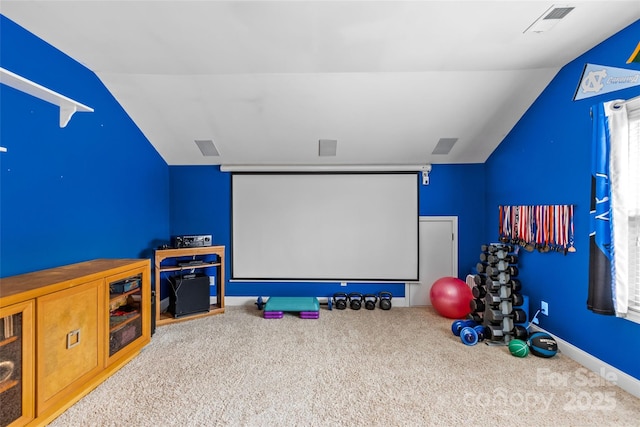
126,314
16,364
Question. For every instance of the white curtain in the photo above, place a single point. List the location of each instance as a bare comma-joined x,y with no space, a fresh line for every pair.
625,197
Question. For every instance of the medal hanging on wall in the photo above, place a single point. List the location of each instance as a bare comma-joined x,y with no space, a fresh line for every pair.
543,228
548,221
571,247
542,231
501,220
563,226
556,227
508,223
539,228
530,246
561,242
515,238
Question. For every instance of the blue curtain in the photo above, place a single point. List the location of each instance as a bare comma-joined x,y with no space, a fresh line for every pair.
600,298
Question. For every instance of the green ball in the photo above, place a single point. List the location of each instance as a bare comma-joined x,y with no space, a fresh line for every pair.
518,348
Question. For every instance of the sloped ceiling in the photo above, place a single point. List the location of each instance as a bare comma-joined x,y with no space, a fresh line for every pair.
265,80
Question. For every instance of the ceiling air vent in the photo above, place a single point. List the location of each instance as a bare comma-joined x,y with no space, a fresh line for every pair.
444,145
207,147
548,19
558,13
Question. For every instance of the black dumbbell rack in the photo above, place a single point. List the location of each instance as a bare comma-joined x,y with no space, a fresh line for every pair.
497,295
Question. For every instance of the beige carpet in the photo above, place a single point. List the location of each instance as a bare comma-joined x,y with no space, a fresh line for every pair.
401,367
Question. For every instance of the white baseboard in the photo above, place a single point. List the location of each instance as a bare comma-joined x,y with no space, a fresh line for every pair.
251,301
625,381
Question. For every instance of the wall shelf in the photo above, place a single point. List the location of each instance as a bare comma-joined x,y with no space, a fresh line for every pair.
67,105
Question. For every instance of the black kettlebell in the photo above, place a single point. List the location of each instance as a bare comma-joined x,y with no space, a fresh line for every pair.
340,300
370,301
385,300
355,300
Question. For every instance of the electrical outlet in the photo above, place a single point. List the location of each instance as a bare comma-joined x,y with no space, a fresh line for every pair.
343,283
544,308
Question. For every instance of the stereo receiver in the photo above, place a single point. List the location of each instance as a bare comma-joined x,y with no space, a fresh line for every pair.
192,241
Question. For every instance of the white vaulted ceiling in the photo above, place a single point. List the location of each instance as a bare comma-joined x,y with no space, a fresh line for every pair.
265,80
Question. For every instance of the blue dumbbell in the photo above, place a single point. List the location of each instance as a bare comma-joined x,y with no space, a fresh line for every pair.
457,326
471,335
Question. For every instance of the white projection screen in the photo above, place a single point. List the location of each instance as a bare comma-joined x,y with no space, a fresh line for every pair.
325,226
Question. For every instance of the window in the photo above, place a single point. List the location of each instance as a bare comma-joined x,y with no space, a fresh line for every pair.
633,114
622,152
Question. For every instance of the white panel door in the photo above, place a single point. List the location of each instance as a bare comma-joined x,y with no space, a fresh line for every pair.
438,256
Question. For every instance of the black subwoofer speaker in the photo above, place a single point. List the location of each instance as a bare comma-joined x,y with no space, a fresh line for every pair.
188,294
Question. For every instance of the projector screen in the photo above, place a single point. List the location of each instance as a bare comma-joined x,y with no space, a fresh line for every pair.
325,226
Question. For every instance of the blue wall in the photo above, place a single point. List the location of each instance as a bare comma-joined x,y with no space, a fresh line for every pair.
546,159
201,204
458,190
94,189
97,188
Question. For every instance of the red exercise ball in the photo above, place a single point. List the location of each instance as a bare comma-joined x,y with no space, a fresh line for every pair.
450,297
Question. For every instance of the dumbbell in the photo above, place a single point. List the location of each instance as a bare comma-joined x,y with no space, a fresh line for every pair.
477,305
481,267
493,248
478,291
503,293
384,300
494,299
475,317
517,299
502,265
340,300
496,316
479,279
457,326
503,278
494,332
370,301
502,253
502,256
471,335
488,248
494,270
488,268
493,285
355,300
519,332
514,284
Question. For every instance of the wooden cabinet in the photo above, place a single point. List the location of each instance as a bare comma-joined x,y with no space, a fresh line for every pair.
69,324
128,320
90,319
17,364
189,260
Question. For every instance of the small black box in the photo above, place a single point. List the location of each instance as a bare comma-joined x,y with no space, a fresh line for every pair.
188,294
